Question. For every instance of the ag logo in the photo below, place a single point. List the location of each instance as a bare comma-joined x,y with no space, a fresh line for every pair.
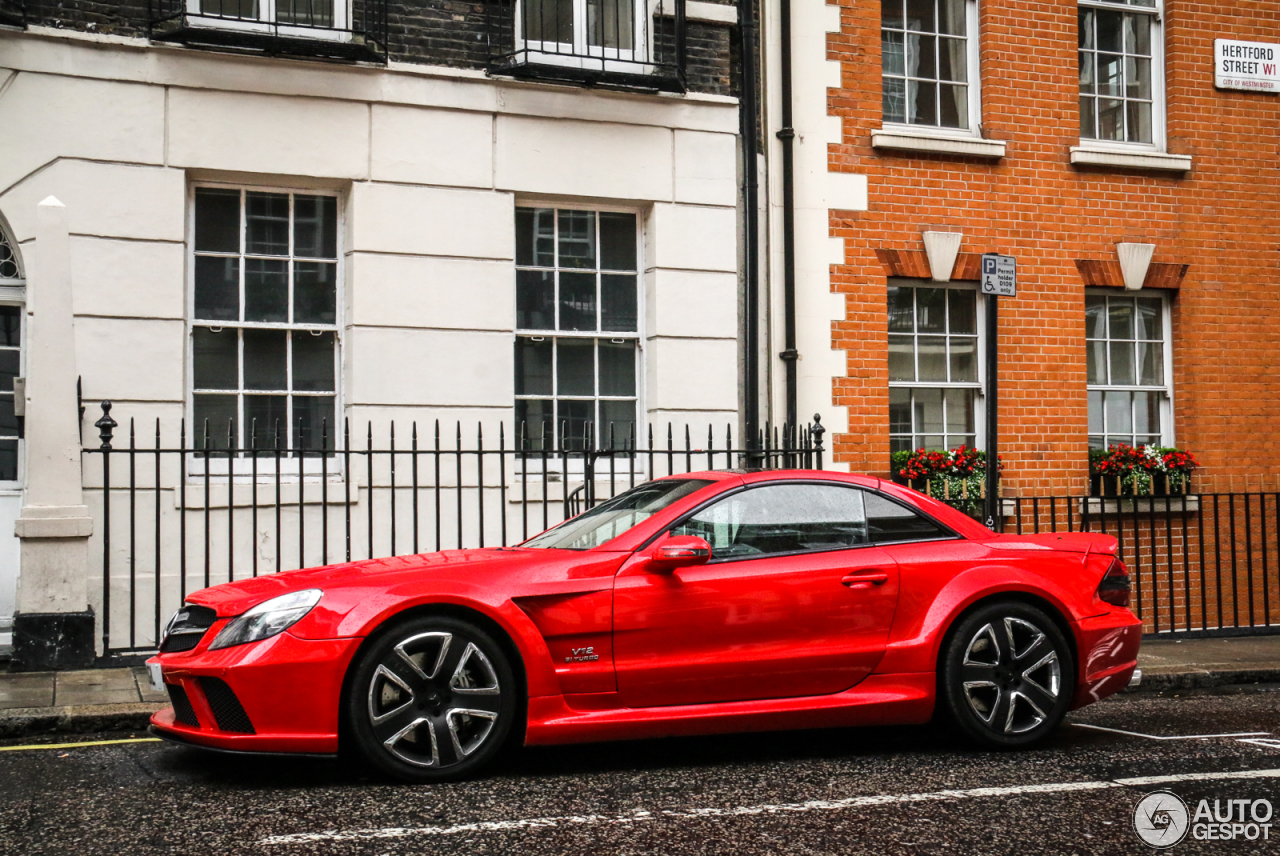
1161,819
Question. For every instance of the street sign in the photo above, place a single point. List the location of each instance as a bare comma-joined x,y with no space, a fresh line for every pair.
999,275
1251,66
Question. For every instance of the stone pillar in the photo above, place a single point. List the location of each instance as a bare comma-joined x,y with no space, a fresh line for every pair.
53,627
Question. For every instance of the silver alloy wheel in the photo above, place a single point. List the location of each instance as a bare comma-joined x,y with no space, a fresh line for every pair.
434,699
1011,679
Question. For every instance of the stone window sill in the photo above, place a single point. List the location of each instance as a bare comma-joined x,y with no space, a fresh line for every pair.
1129,159
903,140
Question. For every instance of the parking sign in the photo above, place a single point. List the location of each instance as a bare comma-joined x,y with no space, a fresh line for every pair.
999,275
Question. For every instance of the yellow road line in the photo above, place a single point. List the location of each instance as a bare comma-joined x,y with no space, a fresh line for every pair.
78,745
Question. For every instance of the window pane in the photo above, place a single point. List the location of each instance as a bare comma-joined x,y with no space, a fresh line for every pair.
1085,23
931,310
901,359
960,415
953,106
888,521
215,358
266,224
964,359
1150,318
618,302
315,292
264,359
1146,413
548,20
266,290
1095,411
1110,74
892,58
921,56
617,241
213,414
900,411
1088,118
313,361
927,413
901,311
894,100
578,239
533,367
1122,372
1109,30
8,369
1110,119
11,325
577,301
313,421
575,367
778,519
8,460
266,416
315,226
609,23
617,368
1137,34
1139,122
8,419
1097,359
964,310
535,300
951,17
217,288
1137,77
920,16
230,8
1120,311
534,424
952,60
922,107
217,220
1150,364
535,237
1086,73
891,13
932,358
618,417
1119,416
573,420
1095,317
308,13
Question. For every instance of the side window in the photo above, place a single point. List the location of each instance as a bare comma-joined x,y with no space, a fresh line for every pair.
783,518
889,521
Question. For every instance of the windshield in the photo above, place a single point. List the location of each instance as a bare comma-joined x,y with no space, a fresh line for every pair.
610,519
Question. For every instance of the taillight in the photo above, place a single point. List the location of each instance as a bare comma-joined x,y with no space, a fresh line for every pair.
1114,588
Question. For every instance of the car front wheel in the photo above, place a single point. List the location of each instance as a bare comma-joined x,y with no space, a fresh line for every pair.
432,699
1007,675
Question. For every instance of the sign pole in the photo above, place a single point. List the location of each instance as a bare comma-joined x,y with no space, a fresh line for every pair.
991,511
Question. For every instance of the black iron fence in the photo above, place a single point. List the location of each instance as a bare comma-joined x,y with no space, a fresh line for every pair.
176,514
351,30
624,43
13,13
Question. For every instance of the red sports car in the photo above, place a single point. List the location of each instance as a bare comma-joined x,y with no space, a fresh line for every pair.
695,604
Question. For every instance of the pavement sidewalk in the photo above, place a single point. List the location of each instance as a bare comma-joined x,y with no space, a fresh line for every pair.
121,698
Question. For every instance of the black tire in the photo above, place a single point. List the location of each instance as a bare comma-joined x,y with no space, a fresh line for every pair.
431,699
1007,675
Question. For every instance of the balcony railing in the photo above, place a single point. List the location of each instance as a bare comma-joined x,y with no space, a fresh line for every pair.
13,13
630,44
350,30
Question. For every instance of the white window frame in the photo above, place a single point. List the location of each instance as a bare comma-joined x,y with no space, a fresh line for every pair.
974,84
1167,435
1158,134
13,292
579,54
533,460
310,465
979,405
266,22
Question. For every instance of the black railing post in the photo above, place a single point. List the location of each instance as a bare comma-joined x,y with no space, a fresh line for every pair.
818,430
105,426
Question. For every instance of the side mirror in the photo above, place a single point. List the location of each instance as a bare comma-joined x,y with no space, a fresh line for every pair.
683,551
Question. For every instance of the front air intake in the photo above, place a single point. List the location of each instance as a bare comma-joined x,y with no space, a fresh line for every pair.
183,712
226,708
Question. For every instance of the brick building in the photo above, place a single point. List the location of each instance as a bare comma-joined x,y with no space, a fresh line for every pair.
1055,133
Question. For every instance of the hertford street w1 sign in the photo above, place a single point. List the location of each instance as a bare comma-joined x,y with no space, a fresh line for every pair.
1251,66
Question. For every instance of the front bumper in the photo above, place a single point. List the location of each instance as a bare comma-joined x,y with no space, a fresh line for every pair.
1108,646
278,695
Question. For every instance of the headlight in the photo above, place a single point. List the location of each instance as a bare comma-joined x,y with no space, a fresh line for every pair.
267,618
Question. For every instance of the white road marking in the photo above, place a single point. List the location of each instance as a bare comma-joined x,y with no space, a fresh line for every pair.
1176,737
643,816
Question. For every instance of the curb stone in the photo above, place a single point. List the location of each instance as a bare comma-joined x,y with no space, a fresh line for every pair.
75,719
1188,679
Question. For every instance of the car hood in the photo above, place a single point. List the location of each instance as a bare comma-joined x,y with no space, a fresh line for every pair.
1070,542
234,598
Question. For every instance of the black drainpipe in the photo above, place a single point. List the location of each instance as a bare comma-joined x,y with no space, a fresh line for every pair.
751,218
787,135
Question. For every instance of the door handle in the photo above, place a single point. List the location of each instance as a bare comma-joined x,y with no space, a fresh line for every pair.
862,581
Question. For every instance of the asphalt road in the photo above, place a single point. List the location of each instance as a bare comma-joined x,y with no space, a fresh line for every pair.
880,791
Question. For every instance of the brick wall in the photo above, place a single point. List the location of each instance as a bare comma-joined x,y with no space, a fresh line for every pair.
1220,219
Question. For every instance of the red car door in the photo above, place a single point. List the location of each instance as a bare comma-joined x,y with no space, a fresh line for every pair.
795,602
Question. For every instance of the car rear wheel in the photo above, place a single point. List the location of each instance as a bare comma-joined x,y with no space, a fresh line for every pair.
1007,675
431,699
